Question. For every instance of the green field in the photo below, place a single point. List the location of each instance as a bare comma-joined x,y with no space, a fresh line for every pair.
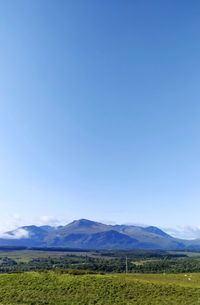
56,289
27,255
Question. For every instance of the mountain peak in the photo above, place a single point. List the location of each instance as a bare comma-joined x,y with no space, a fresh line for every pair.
84,226
155,230
86,234
84,222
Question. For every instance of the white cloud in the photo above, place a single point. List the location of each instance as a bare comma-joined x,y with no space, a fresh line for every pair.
184,232
16,234
13,222
47,220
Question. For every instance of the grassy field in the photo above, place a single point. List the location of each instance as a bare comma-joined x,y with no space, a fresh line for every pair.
51,288
27,255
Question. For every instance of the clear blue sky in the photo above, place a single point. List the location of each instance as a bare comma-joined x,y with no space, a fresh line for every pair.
99,110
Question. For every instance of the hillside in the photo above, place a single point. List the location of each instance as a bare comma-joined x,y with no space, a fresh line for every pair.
53,288
87,234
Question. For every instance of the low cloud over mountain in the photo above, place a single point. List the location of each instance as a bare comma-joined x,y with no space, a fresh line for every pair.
87,234
15,234
185,232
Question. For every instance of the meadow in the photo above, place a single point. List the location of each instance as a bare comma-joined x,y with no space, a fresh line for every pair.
99,261
35,277
54,288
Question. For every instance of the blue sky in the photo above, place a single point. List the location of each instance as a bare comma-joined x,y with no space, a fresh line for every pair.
99,111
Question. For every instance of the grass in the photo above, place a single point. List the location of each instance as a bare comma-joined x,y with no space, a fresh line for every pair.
188,253
27,255
52,288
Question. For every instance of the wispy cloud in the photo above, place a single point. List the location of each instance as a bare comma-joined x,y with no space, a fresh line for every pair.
185,232
16,234
48,220
13,222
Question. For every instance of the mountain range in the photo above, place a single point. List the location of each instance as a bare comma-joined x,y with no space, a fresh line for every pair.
87,234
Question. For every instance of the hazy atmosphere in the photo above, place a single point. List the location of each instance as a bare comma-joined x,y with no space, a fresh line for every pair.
99,113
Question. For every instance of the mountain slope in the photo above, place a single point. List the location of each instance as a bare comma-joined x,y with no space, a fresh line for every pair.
89,234
84,226
101,240
155,230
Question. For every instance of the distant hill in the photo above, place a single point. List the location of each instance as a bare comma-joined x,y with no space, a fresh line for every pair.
87,234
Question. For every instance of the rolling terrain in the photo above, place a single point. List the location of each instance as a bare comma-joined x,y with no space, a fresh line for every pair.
52,288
